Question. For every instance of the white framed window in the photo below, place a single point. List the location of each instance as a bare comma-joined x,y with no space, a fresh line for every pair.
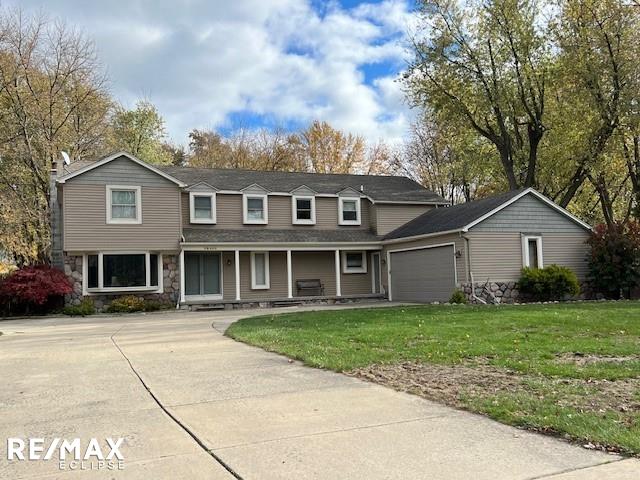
255,207
202,207
124,204
349,211
122,272
532,251
303,210
260,270
354,262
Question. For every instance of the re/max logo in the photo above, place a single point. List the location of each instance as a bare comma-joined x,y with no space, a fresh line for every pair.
37,449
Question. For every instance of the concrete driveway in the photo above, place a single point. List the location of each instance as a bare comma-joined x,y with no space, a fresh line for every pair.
191,403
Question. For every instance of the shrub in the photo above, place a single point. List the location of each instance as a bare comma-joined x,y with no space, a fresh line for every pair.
126,304
37,288
458,297
154,306
614,262
86,307
550,283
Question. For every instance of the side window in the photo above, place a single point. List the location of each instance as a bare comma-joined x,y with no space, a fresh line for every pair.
259,270
532,251
354,262
124,204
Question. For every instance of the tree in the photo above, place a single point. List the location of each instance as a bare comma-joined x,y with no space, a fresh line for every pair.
141,132
52,98
327,150
484,64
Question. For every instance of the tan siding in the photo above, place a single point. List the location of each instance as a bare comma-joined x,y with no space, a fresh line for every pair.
356,283
497,256
121,171
314,265
390,217
229,214
461,265
86,228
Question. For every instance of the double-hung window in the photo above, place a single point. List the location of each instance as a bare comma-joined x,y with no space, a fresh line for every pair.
532,251
303,210
123,272
260,270
255,208
349,211
354,262
202,207
124,204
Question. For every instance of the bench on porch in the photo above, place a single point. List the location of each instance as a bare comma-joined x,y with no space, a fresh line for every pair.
311,287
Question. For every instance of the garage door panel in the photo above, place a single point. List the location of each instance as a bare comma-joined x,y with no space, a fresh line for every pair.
423,275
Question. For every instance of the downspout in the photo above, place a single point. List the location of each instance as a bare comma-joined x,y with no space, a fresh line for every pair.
181,266
473,283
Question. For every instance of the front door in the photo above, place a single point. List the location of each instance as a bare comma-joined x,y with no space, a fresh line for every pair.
375,277
202,275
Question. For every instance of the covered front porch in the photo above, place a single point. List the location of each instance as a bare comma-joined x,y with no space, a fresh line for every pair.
239,274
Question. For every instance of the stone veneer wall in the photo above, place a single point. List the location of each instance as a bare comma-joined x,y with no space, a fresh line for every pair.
170,280
507,292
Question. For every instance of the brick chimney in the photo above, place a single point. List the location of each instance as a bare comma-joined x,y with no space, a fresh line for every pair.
55,216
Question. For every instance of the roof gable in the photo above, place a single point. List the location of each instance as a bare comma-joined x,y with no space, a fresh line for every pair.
115,156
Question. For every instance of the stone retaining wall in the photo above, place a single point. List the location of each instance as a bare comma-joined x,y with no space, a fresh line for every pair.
170,280
507,292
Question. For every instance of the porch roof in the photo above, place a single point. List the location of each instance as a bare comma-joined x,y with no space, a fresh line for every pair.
265,235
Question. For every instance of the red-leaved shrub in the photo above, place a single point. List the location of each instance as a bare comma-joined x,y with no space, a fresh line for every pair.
34,286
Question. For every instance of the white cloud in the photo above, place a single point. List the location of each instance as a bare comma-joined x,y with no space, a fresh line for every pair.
201,61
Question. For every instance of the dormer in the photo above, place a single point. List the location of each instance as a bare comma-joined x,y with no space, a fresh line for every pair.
303,206
349,207
202,203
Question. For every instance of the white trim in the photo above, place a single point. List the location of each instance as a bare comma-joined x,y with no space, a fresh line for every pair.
526,261
373,271
213,296
389,252
347,269
192,211
236,264
409,202
265,208
110,158
264,190
280,247
518,197
338,275
289,276
292,192
341,221
254,284
109,204
182,282
294,210
391,241
102,289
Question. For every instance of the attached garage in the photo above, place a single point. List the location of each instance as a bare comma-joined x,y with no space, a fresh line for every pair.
423,274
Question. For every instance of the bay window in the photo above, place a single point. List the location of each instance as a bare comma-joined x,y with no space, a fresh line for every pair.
112,272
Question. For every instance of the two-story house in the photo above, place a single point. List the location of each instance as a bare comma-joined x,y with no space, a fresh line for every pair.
231,237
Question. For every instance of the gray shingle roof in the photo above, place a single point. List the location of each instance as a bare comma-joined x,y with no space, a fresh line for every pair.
445,219
378,187
197,235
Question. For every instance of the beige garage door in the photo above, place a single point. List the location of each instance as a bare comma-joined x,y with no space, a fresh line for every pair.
424,275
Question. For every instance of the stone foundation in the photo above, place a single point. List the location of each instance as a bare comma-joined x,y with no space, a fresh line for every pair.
170,281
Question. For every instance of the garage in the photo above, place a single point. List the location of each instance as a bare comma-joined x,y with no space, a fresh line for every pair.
425,274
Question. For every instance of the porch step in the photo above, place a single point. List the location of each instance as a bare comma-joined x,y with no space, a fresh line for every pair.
207,308
286,304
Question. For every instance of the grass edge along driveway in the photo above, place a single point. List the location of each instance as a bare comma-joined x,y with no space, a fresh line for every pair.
571,370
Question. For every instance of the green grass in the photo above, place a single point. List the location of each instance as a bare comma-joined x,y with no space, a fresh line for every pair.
525,339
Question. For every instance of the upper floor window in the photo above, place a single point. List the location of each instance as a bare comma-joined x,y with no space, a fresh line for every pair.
202,207
255,208
303,210
349,211
532,251
124,204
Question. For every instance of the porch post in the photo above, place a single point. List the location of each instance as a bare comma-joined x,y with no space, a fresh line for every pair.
236,262
338,288
289,275
182,299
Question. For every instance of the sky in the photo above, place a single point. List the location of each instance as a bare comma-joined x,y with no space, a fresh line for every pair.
224,64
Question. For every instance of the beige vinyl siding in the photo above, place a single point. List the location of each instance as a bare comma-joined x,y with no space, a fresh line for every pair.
121,171
314,265
391,216
229,213
497,256
85,224
461,262
356,283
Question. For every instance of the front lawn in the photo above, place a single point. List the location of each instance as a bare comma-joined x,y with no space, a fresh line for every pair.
566,369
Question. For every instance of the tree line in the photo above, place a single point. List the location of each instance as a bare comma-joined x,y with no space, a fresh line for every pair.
508,94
